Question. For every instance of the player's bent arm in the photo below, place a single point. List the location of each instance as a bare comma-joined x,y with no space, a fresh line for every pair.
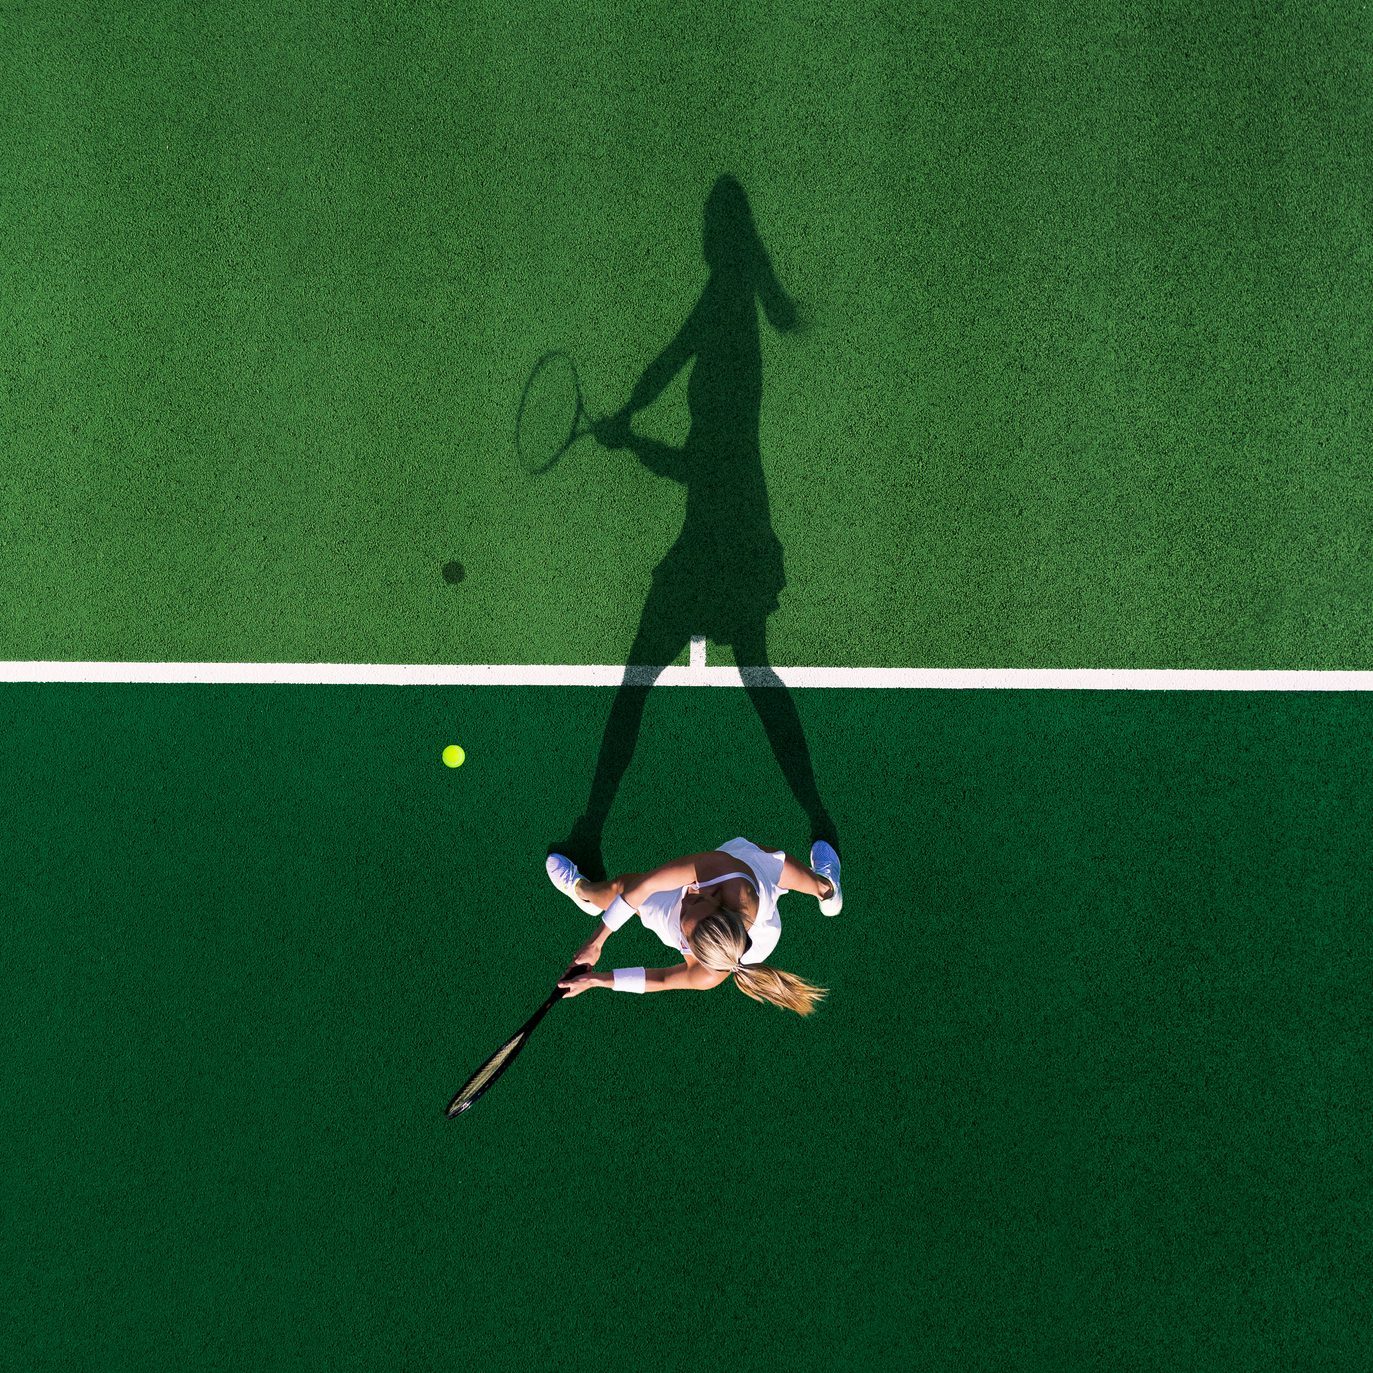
660,458
590,952
681,872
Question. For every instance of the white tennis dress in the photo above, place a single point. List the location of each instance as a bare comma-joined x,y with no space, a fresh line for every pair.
662,911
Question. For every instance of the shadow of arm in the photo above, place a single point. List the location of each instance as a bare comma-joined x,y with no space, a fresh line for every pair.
660,458
656,376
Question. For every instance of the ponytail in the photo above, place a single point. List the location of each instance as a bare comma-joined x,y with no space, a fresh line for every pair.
778,306
772,985
718,942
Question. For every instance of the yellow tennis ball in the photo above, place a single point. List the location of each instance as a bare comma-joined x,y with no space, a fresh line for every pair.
454,756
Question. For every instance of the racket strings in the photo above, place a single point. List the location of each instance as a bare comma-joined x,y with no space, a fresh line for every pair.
485,1073
548,413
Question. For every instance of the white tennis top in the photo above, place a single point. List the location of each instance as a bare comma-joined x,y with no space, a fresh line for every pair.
662,911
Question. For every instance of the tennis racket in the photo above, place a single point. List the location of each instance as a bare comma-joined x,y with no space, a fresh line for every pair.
552,414
482,1080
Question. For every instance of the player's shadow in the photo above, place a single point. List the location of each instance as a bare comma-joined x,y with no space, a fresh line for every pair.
722,577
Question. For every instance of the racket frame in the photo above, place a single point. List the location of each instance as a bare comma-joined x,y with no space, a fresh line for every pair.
577,429
453,1110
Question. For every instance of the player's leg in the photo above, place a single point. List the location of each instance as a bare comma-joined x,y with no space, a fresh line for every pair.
796,876
601,894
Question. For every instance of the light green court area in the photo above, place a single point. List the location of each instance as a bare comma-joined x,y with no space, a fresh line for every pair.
1084,381
1086,297
1087,1090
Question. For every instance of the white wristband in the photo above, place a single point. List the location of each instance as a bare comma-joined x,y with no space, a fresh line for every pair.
630,980
620,911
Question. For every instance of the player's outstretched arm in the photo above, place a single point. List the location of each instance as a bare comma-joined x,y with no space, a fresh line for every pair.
682,977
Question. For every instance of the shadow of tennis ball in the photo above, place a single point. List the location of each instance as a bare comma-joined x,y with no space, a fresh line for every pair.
453,573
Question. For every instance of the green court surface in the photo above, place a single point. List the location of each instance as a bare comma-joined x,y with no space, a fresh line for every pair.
1084,381
1087,1091
1081,380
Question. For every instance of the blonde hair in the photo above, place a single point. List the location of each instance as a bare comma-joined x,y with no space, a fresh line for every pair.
718,942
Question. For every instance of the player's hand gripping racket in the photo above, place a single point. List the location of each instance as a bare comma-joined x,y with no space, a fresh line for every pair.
552,414
481,1081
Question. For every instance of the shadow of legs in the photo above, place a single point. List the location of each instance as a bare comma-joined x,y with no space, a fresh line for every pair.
782,723
656,645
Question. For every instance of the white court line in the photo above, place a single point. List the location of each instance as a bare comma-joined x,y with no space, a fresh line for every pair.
695,674
698,656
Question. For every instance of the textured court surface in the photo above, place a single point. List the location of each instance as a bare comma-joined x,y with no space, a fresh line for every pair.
1084,383
1087,1091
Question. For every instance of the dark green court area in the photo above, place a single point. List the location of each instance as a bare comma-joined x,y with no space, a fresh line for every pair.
1087,1090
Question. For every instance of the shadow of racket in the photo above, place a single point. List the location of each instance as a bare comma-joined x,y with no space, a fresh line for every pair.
552,416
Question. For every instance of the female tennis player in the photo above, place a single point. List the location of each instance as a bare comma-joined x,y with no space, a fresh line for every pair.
717,909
